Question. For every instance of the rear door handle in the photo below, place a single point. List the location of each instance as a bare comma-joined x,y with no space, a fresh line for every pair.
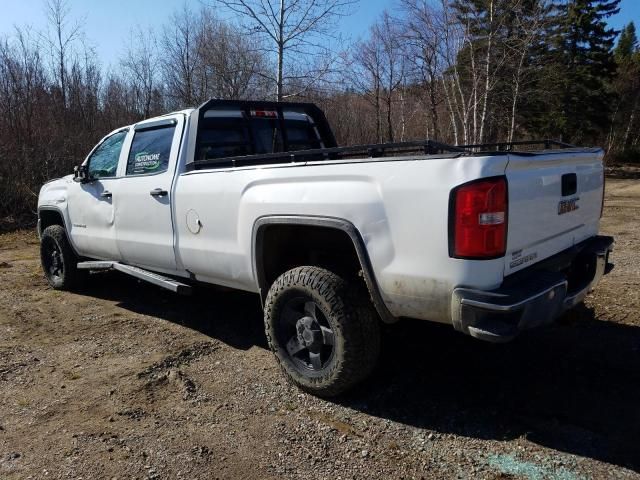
158,192
106,194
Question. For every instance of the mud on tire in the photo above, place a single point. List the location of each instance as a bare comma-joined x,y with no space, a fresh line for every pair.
322,329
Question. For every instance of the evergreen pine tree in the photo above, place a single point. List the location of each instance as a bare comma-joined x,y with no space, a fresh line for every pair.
624,122
579,67
627,43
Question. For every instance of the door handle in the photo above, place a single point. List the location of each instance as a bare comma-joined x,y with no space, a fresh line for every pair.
158,192
106,194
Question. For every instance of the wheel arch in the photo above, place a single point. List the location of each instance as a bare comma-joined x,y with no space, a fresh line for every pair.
263,224
47,216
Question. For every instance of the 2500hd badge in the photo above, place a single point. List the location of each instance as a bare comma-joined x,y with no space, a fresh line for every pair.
566,206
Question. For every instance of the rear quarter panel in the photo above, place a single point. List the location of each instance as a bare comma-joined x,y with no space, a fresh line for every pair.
399,206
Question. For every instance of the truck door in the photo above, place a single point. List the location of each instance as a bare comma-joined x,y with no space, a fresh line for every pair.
143,219
90,205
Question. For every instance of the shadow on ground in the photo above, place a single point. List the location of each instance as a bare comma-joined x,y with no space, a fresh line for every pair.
231,316
574,387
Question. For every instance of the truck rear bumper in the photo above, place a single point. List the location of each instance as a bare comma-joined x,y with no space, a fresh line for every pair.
534,297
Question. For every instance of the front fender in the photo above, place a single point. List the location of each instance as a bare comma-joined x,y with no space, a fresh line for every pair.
53,206
54,193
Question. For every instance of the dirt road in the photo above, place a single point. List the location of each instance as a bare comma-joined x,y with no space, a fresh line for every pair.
124,380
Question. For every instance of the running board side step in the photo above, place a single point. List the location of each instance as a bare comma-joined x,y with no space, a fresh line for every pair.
147,276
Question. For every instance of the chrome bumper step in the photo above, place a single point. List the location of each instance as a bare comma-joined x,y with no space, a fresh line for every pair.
537,299
140,273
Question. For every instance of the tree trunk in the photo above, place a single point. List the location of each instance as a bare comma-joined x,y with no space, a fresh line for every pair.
435,121
474,96
452,114
514,104
611,136
403,119
378,115
389,122
63,87
279,92
516,93
630,124
487,83
462,108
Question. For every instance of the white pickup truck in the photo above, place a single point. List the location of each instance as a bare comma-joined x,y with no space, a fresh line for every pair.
257,196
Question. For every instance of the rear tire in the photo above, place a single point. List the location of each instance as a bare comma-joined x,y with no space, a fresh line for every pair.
322,329
59,262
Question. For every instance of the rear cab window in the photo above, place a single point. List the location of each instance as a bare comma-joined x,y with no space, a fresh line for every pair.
301,133
150,150
238,132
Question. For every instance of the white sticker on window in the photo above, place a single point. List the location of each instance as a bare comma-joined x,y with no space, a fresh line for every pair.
144,162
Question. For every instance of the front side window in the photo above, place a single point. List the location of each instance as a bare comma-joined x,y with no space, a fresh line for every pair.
150,151
103,162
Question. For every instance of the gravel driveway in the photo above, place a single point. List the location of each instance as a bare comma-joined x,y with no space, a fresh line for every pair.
124,380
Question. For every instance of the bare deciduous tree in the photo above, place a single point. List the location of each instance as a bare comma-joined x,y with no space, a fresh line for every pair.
390,34
180,47
232,63
460,71
204,57
141,68
379,70
60,39
528,27
366,75
423,33
293,31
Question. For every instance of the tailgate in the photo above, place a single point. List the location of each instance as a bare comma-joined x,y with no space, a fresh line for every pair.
555,201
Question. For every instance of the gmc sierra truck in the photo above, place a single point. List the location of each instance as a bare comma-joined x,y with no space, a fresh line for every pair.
491,239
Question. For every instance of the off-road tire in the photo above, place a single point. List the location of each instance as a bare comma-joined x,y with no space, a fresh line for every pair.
346,307
68,277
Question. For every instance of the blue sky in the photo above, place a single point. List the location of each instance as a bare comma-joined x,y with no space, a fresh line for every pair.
108,23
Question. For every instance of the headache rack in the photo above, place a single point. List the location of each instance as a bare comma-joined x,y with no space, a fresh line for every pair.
425,147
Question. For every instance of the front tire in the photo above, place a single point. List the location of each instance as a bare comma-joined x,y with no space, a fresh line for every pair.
322,330
59,262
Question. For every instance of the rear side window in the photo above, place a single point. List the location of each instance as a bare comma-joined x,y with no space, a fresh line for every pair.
150,151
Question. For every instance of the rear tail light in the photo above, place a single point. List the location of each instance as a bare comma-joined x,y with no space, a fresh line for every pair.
478,219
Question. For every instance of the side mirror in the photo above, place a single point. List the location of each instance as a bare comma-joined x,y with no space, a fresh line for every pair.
81,174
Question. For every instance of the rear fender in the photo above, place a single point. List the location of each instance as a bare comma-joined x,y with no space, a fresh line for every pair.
327,222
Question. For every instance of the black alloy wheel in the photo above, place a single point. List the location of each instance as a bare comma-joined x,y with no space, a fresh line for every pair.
306,334
59,262
322,329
